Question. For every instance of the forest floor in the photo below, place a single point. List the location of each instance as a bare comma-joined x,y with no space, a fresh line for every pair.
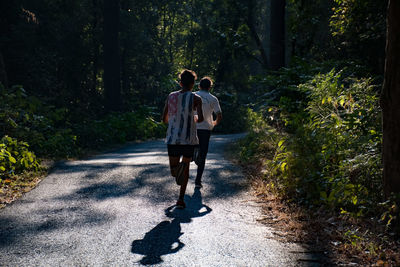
344,240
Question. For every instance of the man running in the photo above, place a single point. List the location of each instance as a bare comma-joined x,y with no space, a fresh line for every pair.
181,134
210,105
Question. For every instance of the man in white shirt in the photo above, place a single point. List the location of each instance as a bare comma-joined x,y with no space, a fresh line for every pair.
210,105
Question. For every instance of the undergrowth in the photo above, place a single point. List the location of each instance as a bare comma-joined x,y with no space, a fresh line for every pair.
316,135
319,140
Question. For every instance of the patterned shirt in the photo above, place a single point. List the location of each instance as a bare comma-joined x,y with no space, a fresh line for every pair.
181,125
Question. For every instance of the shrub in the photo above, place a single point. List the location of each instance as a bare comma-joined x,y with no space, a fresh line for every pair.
119,128
57,133
15,157
329,152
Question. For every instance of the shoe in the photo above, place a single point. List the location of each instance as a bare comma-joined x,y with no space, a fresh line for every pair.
180,204
199,185
180,173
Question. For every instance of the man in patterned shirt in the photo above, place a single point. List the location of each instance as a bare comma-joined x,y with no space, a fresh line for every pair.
182,132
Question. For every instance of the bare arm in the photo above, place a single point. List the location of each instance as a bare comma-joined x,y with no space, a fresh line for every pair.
165,113
198,107
218,120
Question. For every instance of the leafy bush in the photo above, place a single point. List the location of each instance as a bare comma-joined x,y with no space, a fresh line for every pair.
15,157
55,132
119,128
329,152
42,126
234,114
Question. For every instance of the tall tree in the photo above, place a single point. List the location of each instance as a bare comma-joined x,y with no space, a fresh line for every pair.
112,69
3,73
277,34
251,24
390,100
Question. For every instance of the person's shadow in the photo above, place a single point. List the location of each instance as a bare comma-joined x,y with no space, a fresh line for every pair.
163,239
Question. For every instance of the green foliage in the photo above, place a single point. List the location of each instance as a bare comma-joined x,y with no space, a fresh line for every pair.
119,128
390,215
234,115
351,29
55,132
360,26
15,157
260,139
331,155
42,126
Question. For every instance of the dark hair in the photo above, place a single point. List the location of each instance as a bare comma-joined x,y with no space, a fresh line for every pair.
187,77
206,83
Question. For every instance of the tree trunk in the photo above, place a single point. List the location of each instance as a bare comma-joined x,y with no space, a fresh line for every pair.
254,34
95,66
277,34
112,72
3,73
390,102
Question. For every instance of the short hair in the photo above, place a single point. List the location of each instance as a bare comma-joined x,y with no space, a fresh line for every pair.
187,77
206,83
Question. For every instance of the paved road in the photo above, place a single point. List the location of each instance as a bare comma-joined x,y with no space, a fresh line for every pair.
116,209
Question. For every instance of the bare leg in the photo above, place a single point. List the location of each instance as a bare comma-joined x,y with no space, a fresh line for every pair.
173,164
186,177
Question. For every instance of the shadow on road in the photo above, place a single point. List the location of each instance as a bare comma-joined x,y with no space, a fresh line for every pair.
163,239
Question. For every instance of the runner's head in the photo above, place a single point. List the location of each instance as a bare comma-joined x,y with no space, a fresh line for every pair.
187,78
206,83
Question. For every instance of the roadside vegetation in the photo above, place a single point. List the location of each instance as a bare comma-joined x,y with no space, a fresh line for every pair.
316,144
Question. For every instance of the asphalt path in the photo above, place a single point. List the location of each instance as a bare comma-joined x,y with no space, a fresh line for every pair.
117,209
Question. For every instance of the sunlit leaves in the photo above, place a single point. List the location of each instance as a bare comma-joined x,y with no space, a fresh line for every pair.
331,156
15,157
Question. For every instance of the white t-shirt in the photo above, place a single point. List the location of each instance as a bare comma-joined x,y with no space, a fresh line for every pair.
210,106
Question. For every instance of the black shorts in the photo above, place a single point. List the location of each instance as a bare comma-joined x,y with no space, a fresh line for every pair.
180,150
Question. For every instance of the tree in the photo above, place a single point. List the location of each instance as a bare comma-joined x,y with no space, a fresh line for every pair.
112,69
251,24
3,73
277,34
390,100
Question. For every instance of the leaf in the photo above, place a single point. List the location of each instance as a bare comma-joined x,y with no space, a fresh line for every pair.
354,200
12,159
283,166
281,143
